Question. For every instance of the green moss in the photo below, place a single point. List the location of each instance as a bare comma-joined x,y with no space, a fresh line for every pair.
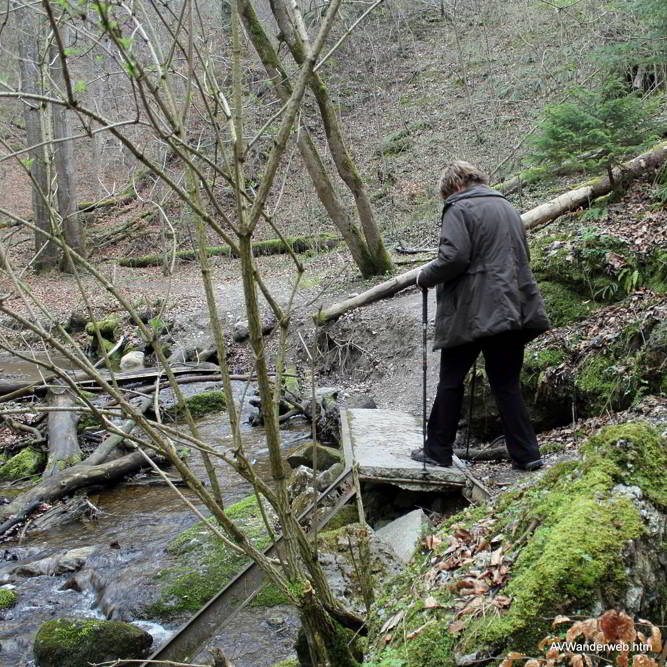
346,515
202,404
108,328
564,305
27,462
578,260
600,385
8,598
206,564
291,662
395,143
291,380
636,454
87,420
77,642
270,596
552,447
69,462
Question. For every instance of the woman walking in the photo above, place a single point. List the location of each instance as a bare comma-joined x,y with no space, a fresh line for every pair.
488,302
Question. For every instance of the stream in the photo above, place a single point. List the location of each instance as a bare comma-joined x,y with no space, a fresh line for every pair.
127,538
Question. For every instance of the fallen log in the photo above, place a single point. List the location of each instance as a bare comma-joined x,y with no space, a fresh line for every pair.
96,469
69,480
298,244
385,289
64,447
539,215
584,195
10,391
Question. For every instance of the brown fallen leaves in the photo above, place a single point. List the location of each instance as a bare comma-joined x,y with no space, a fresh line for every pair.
473,566
611,638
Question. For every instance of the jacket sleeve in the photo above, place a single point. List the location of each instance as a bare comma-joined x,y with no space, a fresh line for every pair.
453,251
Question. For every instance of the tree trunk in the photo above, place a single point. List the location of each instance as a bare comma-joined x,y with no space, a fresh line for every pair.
64,160
29,68
309,153
328,641
341,156
64,448
540,215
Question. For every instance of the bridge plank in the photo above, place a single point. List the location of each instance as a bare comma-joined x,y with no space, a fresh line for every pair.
380,442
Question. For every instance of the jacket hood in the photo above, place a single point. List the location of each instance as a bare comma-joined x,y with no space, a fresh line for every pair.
470,193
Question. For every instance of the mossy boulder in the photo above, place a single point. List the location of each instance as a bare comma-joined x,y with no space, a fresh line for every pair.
76,642
563,304
594,535
306,454
200,404
203,563
27,462
595,264
585,259
108,327
8,598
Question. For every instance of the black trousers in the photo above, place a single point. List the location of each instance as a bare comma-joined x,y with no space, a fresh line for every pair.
503,359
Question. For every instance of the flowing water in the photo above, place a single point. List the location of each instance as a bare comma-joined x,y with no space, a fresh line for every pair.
128,539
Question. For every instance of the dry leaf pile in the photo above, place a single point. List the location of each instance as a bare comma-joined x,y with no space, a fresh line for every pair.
612,638
473,567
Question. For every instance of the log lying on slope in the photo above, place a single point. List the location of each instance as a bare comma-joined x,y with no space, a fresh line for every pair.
584,195
539,215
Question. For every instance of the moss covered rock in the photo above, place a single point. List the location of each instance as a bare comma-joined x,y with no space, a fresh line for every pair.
204,563
593,533
27,462
305,455
201,404
108,327
76,642
563,305
8,598
585,259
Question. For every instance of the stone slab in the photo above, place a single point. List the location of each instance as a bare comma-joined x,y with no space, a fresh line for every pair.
404,534
380,442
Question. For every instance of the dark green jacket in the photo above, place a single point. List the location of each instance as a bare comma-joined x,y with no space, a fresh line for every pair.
484,282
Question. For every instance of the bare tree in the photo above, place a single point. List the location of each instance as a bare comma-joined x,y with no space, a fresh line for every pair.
27,30
293,34
63,153
133,36
365,244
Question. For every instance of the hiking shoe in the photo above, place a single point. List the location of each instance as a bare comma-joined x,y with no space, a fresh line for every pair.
528,467
421,456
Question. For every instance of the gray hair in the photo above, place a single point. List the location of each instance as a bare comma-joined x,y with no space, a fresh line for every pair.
460,174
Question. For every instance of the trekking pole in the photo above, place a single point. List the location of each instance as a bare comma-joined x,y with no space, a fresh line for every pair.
424,331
